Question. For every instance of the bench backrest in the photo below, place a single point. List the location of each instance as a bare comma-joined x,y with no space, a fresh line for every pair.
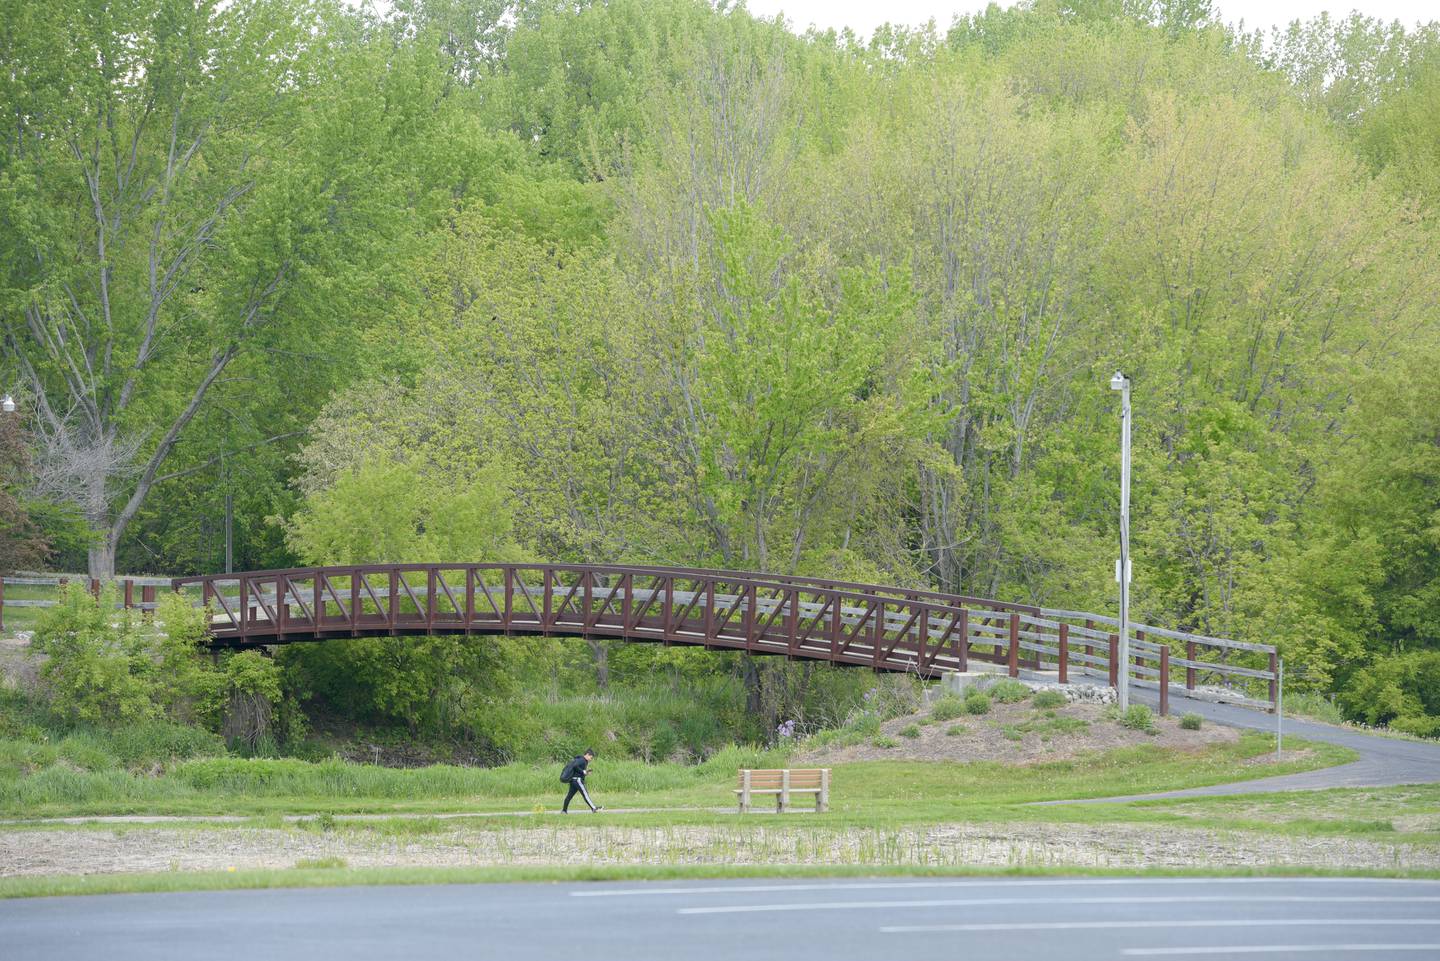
801,779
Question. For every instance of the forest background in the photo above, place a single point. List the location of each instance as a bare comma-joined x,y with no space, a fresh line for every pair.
658,281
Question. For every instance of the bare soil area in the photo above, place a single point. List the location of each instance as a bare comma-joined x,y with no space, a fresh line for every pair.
108,851
1018,734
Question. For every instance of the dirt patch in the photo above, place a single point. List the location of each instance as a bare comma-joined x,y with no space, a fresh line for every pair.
19,663
89,851
1018,734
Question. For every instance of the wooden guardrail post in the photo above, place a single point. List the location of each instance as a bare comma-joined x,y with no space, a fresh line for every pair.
1089,648
1164,679
1014,643
129,593
2,603
1115,661
1064,666
1190,668
147,598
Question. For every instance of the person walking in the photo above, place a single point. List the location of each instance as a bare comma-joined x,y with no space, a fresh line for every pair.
574,775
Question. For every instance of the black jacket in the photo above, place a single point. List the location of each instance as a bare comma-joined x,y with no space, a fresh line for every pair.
577,768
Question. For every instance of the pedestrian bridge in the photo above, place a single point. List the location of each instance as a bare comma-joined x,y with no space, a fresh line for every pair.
883,628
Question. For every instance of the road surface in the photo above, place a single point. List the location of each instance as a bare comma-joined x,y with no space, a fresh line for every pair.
1019,919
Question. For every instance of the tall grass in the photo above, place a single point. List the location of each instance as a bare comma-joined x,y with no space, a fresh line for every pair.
64,782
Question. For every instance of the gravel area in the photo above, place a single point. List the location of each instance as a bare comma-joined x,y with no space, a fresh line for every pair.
1001,735
107,851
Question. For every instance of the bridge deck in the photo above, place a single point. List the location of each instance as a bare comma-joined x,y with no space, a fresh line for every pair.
884,628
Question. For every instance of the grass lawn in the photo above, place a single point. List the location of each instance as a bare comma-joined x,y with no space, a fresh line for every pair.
871,793
884,814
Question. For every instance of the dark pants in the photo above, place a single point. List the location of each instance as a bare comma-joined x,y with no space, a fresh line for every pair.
577,786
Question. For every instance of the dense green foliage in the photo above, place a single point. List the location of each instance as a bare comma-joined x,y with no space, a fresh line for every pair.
651,281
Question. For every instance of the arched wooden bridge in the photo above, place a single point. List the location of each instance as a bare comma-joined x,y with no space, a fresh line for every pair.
883,628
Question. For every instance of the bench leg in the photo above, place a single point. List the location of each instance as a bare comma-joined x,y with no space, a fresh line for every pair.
822,802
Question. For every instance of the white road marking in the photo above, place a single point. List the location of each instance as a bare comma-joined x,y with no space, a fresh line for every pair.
1276,949
977,902
970,883
1103,925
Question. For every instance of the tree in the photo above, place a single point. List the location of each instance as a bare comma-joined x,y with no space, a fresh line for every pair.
21,542
229,181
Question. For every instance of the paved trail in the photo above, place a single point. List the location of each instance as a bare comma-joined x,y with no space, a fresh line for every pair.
990,919
1383,762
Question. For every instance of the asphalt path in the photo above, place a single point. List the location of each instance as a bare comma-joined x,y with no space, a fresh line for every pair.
1383,762
1023,919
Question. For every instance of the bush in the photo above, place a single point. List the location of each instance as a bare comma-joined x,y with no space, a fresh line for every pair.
911,731
977,702
885,742
1191,722
955,730
1420,725
1049,699
947,708
1312,705
866,724
1138,717
1402,692
117,668
1009,691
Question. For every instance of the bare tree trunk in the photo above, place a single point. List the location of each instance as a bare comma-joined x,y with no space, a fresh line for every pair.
102,555
601,653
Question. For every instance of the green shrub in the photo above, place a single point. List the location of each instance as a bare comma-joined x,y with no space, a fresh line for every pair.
911,731
866,724
1009,691
1420,725
955,730
1049,699
1138,717
947,708
1191,721
1013,733
885,742
1310,704
977,702
1402,691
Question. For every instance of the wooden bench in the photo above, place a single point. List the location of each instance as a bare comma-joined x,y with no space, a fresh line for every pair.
782,783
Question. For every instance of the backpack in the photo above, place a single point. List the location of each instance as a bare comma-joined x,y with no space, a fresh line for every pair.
567,772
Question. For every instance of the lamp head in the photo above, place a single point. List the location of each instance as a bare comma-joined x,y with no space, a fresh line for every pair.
8,404
1119,381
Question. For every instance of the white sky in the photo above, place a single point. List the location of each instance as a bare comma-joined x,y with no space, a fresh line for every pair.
865,15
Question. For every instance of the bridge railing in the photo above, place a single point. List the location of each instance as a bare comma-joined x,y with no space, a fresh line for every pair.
886,628
1070,639
667,606
33,590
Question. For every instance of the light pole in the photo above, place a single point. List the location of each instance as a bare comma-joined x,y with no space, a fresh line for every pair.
1122,570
